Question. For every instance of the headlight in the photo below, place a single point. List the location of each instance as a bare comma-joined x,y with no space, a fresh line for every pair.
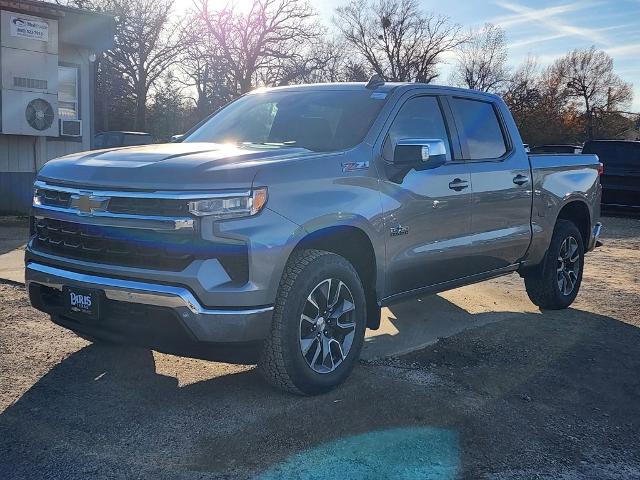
231,206
37,201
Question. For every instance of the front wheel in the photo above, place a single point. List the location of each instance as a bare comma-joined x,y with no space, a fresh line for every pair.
318,324
554,284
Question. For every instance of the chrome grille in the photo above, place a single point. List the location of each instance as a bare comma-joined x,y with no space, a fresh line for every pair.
130,229
54,198
148,206
119,205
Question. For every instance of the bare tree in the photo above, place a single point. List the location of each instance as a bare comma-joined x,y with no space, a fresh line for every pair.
203,69
146,44
168,111
482,61
587,76
323,61
522,90
256,43
396,38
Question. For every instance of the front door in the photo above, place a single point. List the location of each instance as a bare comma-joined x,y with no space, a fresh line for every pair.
427,213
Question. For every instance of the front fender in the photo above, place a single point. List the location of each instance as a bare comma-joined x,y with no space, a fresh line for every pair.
321,193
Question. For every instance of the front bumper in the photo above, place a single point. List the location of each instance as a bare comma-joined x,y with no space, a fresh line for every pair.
199,323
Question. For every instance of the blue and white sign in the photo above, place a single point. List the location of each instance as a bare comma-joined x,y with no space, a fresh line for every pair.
25,27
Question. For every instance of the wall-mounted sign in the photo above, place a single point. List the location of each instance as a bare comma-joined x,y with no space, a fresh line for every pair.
29,28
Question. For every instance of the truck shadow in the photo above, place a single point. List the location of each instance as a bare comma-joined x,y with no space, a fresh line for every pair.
419,322
501,396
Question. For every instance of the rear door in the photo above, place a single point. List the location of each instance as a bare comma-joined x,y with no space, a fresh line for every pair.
501,182
427,213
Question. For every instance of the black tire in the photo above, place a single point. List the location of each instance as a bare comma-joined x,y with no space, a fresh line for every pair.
543,282
282,362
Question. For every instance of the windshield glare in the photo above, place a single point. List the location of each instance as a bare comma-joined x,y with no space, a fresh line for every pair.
321,121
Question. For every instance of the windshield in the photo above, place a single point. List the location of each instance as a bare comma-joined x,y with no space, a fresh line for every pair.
321,121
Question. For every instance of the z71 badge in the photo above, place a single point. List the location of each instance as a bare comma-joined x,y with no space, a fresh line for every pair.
399,230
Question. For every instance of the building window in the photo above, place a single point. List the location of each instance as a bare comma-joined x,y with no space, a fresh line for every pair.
68,93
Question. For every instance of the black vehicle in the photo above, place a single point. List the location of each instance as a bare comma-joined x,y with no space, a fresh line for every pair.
571,149
621,178
121,139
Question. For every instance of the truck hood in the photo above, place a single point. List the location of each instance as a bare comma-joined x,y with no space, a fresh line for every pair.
171,166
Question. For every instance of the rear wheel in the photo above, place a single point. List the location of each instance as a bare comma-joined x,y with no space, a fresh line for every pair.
318,324
554,284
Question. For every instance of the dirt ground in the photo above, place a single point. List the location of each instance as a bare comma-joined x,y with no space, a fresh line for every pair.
525,394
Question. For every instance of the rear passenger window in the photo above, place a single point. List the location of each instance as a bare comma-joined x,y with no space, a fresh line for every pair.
478,124
419,117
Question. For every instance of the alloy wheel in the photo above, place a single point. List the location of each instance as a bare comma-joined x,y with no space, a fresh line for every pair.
327,325
568,266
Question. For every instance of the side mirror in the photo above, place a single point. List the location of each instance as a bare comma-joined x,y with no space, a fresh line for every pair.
177,138
420,153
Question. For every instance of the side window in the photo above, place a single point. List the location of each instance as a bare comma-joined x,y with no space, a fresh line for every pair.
68,93
419,117
132,140
479,125
113,140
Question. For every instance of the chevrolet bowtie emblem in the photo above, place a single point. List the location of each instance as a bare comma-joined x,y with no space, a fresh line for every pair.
87,203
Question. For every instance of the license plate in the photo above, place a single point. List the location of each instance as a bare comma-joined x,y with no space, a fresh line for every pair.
82,301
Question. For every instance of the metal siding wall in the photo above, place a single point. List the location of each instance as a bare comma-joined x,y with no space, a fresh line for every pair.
4,155
17,153
57,148
16,192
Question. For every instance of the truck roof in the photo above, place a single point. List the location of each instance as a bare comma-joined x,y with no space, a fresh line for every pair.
385,88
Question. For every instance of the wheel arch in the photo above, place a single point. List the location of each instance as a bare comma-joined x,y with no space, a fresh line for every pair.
577,211
354,244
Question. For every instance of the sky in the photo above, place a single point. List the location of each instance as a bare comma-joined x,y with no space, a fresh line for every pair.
546,29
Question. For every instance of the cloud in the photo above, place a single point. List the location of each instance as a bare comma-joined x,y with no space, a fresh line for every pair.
536,39
627,50
547,18
530,14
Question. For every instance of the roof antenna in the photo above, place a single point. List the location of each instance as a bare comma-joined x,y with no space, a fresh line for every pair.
374,82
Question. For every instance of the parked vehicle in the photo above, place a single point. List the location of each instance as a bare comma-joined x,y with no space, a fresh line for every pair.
571,149
278,228
621,177
121,139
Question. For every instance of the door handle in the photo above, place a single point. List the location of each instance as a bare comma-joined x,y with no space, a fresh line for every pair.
458,184
520,179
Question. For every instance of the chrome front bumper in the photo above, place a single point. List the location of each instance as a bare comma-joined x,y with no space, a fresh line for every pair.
206,325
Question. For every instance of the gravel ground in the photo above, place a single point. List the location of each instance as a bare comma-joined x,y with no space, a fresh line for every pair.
527,394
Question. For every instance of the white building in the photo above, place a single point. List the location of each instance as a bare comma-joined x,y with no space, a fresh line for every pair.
47,55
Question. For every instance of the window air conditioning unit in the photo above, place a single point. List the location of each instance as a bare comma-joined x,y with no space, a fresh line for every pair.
70,128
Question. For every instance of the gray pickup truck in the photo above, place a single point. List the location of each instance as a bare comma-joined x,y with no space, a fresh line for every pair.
276,230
